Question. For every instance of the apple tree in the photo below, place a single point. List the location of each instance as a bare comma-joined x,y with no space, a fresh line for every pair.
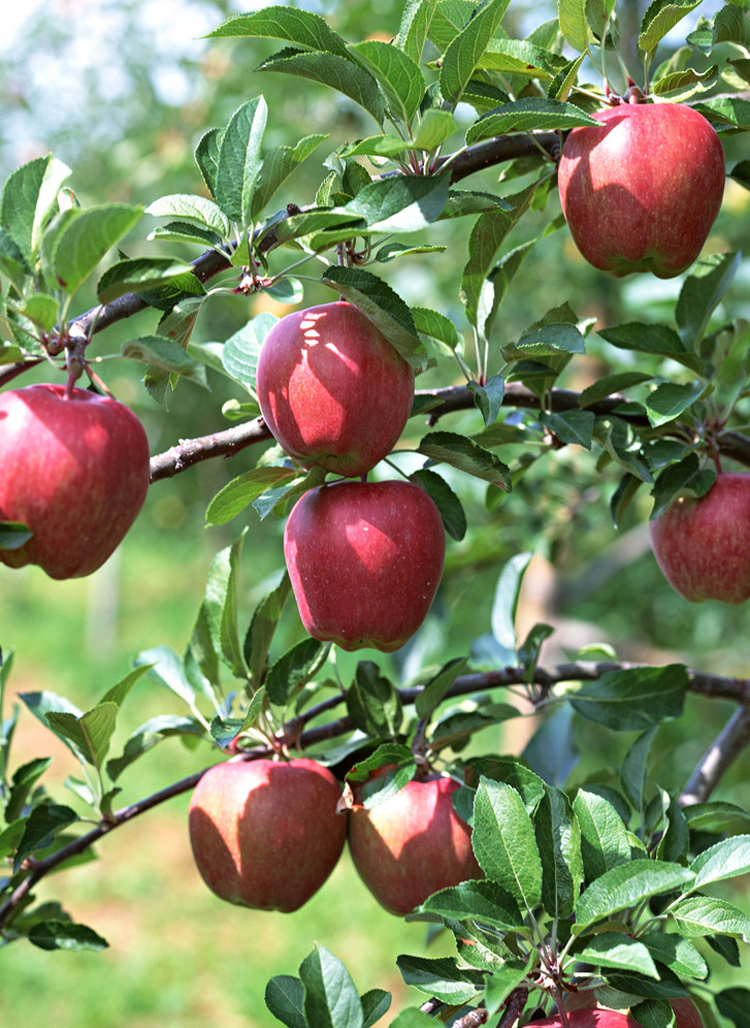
498,291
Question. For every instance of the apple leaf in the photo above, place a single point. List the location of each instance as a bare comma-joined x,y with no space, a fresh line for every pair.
402,203
294,669
442,978
164,666
303,28
399,77
414,28
716,816
504,843
86,237
239,354
262,628
699,915
437,326
331,999
526,114
44,823
626,886
610,385
633,699
478,900
616,949
572,426
13,535
574,24
278,165
465,51
284,495
204,212
375,1004
90,734
726,859
635,768
660,18
240,161
65,935
654,1013
505,604
728,110
446,501
373,703
676,953
28,198
435,689
329,69
165,355
285,998
671,399
734,1003
132,276
684,478
604,836
488,398
513,772
149,734
243,490
659,339
558,837
386,753
668,986
24,779
466,455
701,294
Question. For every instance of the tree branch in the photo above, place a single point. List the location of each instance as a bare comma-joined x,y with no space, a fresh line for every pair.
719,756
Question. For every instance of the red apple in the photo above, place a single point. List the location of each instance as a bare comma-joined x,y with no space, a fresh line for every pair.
265,833
589,1017
365,560
641,192
703,545
412,844
73,469
332,389
580,1004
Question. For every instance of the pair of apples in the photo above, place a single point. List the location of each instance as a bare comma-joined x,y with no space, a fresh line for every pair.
267,834
365,558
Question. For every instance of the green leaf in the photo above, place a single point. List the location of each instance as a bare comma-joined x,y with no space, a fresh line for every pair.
615,949
199,209
86,238
241,161
13,535
530,113
504,842
278,165
339,73
442,978
28,197
635,698
604,836
262,628
676,953
331,999
415,26
727,110
658,339
300,27
24,779
558,837
574,24
375,1004
435,689
51,935
488,398
659,19
726,859
148,735
701,293
285,998
697,916
435,127
626,886
164,666
505,604
546,341
436,326
294,669
91,733
465,51
381,304
446,501
572,426
399,76
635,769
477,900
166,355
486,237
373,703
42,309
670,399
43,824
402,203
504,980
221,606
133,276
243,490
463,453
686,477
734,1003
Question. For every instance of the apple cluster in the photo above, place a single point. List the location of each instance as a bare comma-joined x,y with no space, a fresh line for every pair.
74,472
268,833
365,558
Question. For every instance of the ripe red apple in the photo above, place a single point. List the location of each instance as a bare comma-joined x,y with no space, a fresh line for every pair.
412,844
686,1014
589,1017
641,192
332,389
75,470
365,560
265,833
703,545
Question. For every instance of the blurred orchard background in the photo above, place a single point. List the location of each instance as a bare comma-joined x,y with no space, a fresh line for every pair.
121,91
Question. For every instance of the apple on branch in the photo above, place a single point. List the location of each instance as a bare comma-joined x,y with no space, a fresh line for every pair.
74,469
641,191
703,544
332,390
266,833
365,560
412,844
